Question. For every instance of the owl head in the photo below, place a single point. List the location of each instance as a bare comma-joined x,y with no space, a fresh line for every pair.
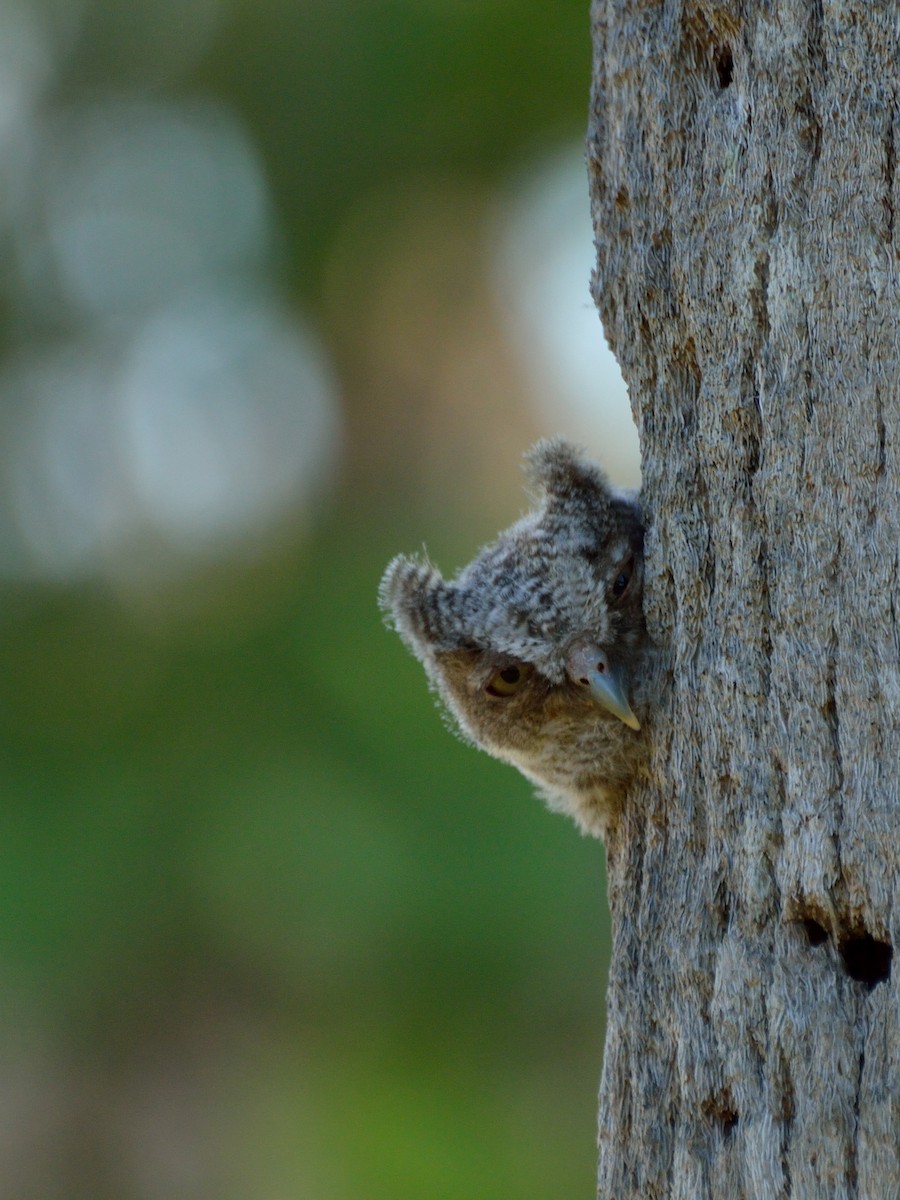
534,645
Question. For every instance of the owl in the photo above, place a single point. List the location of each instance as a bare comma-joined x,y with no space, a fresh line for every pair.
537,647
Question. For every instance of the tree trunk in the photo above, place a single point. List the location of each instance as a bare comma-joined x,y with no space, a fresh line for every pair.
742,171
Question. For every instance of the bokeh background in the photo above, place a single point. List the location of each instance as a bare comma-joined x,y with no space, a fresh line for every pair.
289,286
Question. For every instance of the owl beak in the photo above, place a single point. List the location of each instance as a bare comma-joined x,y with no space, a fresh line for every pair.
589,666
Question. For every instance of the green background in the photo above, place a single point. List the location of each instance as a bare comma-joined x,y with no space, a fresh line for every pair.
267,930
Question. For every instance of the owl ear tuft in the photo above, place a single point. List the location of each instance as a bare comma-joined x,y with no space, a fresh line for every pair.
418,603
564,473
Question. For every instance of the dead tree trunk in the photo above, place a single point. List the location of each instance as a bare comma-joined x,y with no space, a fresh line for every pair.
742,163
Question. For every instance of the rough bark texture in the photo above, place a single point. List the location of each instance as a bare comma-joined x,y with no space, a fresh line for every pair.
742,163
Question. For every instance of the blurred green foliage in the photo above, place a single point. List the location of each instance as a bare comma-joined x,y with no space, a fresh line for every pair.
344,98
242,861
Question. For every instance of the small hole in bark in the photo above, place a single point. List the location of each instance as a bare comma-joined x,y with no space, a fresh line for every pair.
816,933
724,66
867,960
720,1110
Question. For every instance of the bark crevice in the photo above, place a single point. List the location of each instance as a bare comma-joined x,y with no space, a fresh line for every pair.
889,172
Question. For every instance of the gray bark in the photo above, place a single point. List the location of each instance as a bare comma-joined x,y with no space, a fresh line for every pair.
742,164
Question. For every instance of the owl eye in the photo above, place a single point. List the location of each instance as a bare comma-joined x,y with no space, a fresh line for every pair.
622,580
508,680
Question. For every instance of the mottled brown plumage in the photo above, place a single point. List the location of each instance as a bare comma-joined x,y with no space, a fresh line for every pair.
537,646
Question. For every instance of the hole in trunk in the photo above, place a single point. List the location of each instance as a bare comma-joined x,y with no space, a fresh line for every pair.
816,933
867,959
724,66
